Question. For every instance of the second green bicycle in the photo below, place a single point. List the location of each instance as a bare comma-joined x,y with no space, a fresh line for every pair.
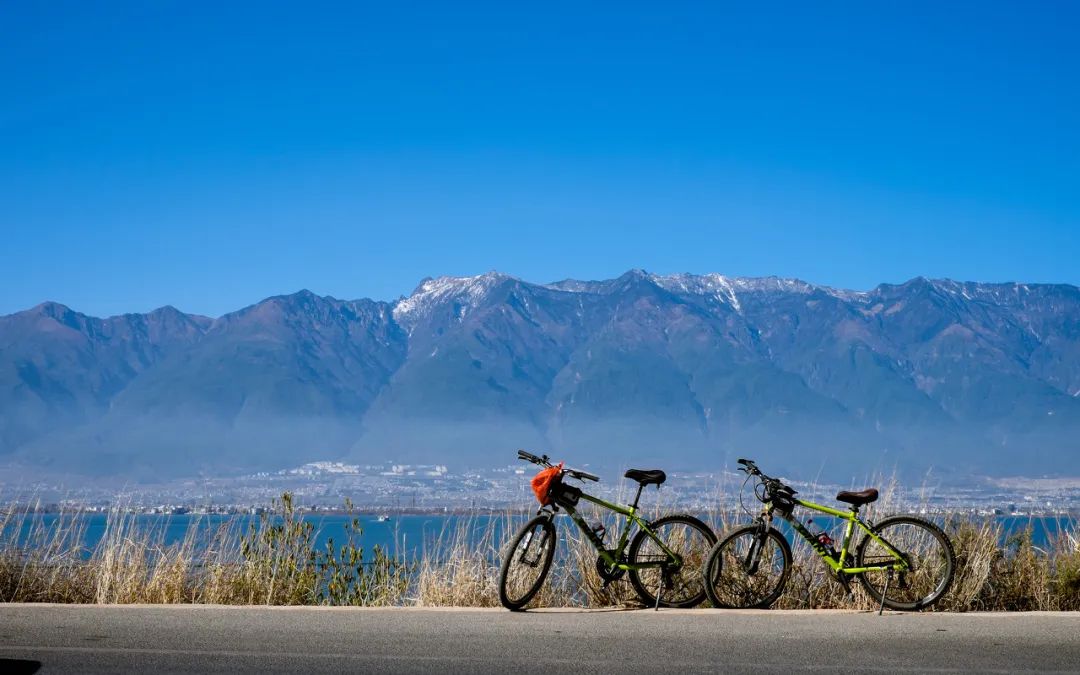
664,560
903,562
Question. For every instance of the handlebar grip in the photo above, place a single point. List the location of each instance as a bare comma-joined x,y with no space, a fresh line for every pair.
751,468
587,476
528,456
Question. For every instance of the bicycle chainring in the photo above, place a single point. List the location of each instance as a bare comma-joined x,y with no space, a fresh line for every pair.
609,574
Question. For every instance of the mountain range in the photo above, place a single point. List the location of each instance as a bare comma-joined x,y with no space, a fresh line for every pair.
679,371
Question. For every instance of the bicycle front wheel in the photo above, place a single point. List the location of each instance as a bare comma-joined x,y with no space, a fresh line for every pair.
929,555
748,569
681,582
527,562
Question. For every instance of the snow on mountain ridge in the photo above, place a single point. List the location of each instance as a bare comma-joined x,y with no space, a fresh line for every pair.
716,285
431,292
575,286
731,291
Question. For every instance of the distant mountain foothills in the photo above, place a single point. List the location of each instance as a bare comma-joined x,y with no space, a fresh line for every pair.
683,372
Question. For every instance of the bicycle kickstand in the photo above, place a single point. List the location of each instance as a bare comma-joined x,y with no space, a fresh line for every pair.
888,578
659,592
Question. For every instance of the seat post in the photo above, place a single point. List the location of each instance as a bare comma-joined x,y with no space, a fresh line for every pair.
640,487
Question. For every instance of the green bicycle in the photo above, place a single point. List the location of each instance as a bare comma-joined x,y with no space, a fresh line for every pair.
664,561
903,562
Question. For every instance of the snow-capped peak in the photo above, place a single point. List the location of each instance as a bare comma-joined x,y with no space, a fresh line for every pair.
729,289
468,291
716,285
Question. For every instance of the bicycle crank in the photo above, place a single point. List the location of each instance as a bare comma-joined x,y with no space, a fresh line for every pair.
844,580
609,574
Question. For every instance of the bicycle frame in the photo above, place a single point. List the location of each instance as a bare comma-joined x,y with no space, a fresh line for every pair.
613,556
852,518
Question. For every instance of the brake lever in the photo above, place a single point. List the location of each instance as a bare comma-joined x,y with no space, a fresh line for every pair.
583,475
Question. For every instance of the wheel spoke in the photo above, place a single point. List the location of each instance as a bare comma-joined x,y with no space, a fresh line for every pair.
527,563
682,583
929,559
730,580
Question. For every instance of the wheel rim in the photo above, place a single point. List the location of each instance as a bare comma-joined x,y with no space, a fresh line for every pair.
732,583
528,562
927,555
682,584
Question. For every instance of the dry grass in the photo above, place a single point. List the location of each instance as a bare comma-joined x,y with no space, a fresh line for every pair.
275,561
461,567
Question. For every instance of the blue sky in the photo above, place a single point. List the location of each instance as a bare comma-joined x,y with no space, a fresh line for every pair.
207,155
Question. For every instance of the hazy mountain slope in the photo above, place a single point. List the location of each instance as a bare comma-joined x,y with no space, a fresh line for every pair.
483,354
284,381
681,370
60,368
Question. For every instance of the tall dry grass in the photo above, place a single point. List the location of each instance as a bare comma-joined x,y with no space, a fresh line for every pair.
275,561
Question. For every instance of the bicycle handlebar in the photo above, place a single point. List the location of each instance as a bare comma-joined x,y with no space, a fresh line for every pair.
546,462
771,484
751,469
584,475
529,457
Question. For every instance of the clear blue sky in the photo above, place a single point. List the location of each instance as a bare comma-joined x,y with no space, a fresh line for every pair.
207,155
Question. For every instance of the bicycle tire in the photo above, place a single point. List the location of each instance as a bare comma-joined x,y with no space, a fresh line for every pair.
941,563
723,571
688,579
514,600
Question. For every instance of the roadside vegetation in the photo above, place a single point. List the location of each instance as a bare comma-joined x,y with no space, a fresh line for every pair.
274,560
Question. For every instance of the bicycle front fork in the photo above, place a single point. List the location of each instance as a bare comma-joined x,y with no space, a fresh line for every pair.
753,556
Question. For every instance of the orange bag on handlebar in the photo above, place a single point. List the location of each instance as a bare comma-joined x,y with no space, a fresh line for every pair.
542,482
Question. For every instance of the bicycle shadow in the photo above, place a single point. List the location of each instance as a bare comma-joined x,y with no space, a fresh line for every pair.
581,610
19,666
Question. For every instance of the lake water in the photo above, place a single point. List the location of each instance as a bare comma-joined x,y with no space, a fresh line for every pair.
406,535
1043,529
410,535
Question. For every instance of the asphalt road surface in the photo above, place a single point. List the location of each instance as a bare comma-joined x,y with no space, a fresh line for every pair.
87,639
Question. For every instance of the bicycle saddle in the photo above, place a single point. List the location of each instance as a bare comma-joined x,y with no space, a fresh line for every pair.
862,497
647,476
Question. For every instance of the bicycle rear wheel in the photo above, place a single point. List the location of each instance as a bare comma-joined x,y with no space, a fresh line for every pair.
748,569
929,554
687,537
527,562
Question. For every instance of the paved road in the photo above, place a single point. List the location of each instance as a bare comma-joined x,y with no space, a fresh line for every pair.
88,639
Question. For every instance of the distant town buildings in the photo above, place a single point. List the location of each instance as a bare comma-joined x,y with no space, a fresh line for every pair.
394,487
